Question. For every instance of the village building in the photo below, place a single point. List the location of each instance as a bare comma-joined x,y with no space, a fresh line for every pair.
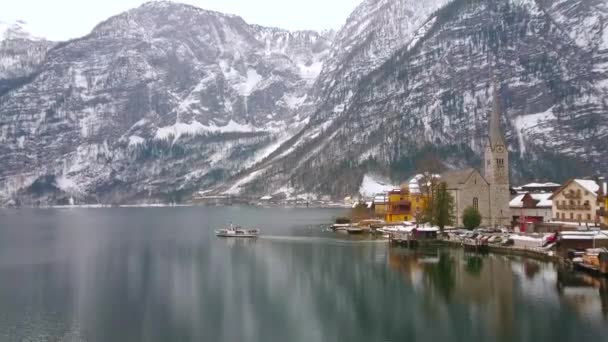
379,205
531,208
602,201
577,201
404,205
489,193
539,188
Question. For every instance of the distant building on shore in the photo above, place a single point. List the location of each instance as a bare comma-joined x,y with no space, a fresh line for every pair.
531,208
577,201
537,188
404,204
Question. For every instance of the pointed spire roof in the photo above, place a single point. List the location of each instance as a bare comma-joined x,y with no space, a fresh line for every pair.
495,133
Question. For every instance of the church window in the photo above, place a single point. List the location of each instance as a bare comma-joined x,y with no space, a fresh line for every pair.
476,203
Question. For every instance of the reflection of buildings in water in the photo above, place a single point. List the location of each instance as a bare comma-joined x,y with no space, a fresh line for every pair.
490,289
483,282
587,295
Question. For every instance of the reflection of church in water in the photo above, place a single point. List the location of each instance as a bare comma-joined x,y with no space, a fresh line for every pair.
498,286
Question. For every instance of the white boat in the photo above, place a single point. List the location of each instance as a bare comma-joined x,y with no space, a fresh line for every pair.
237,232
340,226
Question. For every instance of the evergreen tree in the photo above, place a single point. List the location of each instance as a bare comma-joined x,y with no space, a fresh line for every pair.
442,207
471,218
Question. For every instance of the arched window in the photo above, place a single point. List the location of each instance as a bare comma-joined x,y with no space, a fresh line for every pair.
475,203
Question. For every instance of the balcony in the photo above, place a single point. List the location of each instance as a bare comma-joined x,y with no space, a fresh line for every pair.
573,207
573,195
592,221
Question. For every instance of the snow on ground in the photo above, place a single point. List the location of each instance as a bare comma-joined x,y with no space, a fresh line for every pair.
178,129
293,101
421,32
236,188
67,185
266,151
246,87
310,71
372,186
531,122
135,140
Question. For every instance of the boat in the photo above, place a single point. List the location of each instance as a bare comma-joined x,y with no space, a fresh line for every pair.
593,260
355,230
340,226
237,232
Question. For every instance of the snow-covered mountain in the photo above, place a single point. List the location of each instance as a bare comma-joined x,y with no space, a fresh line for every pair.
162,99
168,99
21,53
411,97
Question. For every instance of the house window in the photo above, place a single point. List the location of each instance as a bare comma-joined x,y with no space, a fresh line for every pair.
476,203
588,217
579,217
572,216
563,216
489,162
578,192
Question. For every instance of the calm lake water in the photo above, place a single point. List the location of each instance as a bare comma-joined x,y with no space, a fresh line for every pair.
159,274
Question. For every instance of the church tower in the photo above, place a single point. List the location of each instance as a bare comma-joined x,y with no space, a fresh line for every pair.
496,167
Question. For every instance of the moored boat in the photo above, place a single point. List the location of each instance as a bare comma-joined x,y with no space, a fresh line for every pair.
355,230
340,226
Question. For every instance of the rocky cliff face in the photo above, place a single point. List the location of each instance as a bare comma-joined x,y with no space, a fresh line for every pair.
425,103
20,54
163,99
167,99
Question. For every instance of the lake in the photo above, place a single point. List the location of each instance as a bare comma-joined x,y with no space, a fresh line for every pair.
160,274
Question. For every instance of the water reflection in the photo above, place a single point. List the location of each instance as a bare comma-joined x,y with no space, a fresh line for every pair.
585,294
133,275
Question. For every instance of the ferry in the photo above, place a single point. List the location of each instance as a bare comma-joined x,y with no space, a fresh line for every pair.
237,232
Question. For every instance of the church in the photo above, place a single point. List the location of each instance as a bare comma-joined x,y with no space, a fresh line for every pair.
488,192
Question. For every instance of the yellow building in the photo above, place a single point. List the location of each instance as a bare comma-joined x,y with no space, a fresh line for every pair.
404,205
602,201
380,204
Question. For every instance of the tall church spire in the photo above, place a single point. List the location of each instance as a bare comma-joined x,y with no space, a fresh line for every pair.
495,132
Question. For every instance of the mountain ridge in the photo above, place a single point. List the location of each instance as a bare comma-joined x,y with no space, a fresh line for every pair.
167,100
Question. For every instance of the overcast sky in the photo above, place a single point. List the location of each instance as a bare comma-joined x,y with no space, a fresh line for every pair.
65,19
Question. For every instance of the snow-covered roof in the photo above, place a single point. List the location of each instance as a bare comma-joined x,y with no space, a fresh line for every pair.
266,198
540,185
589,185
380,199
544,200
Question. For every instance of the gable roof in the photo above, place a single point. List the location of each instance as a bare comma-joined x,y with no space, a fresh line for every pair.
589,185
542,200
456,178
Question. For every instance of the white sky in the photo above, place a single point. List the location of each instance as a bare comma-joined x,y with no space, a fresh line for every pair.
66,19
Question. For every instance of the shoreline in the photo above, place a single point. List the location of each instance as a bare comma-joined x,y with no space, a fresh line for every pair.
504,250
164,205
